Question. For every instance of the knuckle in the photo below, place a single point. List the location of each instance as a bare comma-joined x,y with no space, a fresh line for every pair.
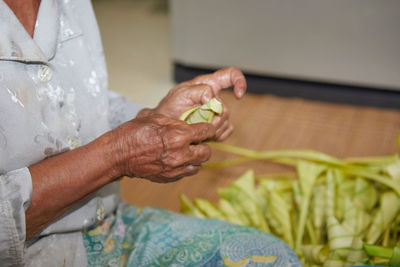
172,162
204,153
177,140
207,153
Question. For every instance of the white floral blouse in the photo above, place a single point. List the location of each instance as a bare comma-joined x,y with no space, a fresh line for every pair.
53,98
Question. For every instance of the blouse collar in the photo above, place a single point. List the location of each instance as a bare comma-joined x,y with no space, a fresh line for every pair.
15,42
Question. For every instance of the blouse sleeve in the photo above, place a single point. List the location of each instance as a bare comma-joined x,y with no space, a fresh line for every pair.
121,109
15,197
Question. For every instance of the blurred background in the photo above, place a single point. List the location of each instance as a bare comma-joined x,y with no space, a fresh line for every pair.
324,50
322,75
136,37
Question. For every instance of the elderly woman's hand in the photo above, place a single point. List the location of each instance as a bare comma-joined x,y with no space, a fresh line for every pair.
161,149
154,147
200,90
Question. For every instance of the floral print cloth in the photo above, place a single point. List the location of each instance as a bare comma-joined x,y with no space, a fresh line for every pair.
132,236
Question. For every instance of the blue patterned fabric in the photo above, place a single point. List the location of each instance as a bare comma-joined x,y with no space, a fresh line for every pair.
154,237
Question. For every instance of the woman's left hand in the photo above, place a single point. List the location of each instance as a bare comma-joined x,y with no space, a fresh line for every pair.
200,90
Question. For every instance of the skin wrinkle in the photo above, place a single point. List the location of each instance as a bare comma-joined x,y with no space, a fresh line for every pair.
174,162
146,157
163,151
155,146
169,157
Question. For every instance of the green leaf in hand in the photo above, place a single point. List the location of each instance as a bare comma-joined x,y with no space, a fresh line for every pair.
204,113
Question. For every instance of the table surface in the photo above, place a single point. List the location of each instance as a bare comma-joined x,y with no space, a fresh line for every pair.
267,122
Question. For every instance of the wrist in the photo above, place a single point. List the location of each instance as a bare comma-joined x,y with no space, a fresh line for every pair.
107,146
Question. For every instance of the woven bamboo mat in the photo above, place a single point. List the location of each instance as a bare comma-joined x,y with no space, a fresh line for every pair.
267,123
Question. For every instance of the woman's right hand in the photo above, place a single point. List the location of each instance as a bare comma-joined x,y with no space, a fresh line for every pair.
159,148
154,147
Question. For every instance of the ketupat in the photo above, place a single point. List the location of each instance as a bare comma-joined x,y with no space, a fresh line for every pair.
387,212
242,195
204,113
393,254
308,174
361,205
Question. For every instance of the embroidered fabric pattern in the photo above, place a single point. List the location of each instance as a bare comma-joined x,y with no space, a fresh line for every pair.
132,236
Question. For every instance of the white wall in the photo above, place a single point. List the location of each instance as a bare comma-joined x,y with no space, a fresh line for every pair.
354,42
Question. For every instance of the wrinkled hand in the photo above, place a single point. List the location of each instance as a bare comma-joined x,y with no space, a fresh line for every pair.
200,90
161,149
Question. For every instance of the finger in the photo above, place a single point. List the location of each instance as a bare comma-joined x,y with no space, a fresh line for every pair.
218,121
225,78
190,155
201,153
180,172
222,129
201,131
226,133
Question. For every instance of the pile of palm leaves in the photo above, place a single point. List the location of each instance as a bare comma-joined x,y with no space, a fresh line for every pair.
332,212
